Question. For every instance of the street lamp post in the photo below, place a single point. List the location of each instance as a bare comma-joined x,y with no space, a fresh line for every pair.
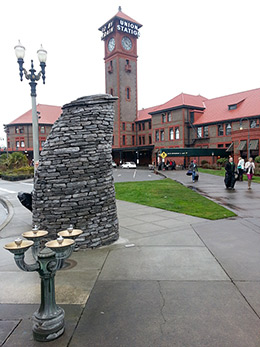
248,135
32,77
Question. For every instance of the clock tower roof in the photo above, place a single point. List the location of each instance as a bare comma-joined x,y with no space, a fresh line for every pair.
121,15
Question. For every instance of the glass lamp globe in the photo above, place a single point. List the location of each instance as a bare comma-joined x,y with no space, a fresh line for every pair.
42,55
19,50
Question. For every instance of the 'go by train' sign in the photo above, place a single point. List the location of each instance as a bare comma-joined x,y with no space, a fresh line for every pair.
120,25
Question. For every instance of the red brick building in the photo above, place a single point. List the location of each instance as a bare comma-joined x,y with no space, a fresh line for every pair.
211,127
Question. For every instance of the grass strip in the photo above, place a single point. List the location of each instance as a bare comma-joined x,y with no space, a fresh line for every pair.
171,196
221,172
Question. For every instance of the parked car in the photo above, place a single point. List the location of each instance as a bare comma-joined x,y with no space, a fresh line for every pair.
129,165
113,164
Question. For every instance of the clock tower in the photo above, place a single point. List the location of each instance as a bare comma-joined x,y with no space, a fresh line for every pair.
120,36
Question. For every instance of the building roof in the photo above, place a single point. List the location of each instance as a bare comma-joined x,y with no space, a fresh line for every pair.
122,15
195,101
246,104
48,115
144,114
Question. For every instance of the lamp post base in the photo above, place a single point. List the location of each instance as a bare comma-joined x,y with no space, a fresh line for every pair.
49,328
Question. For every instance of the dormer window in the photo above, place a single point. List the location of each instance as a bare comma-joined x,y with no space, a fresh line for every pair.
232,107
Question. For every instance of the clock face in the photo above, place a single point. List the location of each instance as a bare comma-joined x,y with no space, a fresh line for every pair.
126,43
111,44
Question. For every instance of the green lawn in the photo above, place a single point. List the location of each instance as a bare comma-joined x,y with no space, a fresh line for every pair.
172,196
221,172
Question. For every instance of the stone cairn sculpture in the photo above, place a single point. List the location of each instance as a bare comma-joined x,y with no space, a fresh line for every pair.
74,180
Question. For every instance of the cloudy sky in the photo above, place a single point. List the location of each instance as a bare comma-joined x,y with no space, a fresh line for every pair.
201,47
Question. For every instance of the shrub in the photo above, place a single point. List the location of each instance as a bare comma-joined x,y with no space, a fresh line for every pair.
257,159
203,162
222,161
205,166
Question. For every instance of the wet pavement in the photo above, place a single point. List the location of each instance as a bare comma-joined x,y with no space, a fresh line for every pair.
170,280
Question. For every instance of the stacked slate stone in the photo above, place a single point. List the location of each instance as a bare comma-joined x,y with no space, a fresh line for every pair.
74,180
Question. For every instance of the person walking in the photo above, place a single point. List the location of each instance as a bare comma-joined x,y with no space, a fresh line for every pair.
230,179
194,169
250,169
240,168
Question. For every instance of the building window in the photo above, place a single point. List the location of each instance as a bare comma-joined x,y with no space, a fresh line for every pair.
169,116
150,124
112,91
162,135
171,134
128,93
113,140
42,130
133,126
139,127
220,130
206,131
42,143
143,140
22,143
17,130
232,107
21,130
123,125
177,133
220,145
157,135
140,140
150,139
133,140
143,126
191,117
228,129
199,132
253,123
17,144
123,140
163,118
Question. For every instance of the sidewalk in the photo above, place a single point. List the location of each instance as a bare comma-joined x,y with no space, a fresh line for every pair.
170,280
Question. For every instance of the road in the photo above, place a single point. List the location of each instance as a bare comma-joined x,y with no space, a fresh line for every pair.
129,175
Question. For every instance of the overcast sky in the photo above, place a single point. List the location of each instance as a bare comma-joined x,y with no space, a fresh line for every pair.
201,47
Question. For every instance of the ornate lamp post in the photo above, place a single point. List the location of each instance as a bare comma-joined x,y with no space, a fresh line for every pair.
248,135
32,77
48,320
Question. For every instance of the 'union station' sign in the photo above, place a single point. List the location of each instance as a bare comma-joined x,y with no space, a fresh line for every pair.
120,25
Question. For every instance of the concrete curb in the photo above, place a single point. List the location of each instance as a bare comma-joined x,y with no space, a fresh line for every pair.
10,212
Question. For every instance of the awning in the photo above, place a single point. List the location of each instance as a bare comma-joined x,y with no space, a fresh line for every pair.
242,146
253,145
230,147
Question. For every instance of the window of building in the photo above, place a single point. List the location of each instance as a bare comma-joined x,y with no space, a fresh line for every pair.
113,139
199,132
162,134
17,130
150,139
220,145
123,125
42,130
163,118
157,135
128,93
220,130
232,107
133,126
133,140
253,123
42,143
228,129
17,144
21,129
127,62
169,116
123,140
191,117
143,126
139,127
150,124
22,143
177,133
206,131
111,91
140,140
171,134
143,140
